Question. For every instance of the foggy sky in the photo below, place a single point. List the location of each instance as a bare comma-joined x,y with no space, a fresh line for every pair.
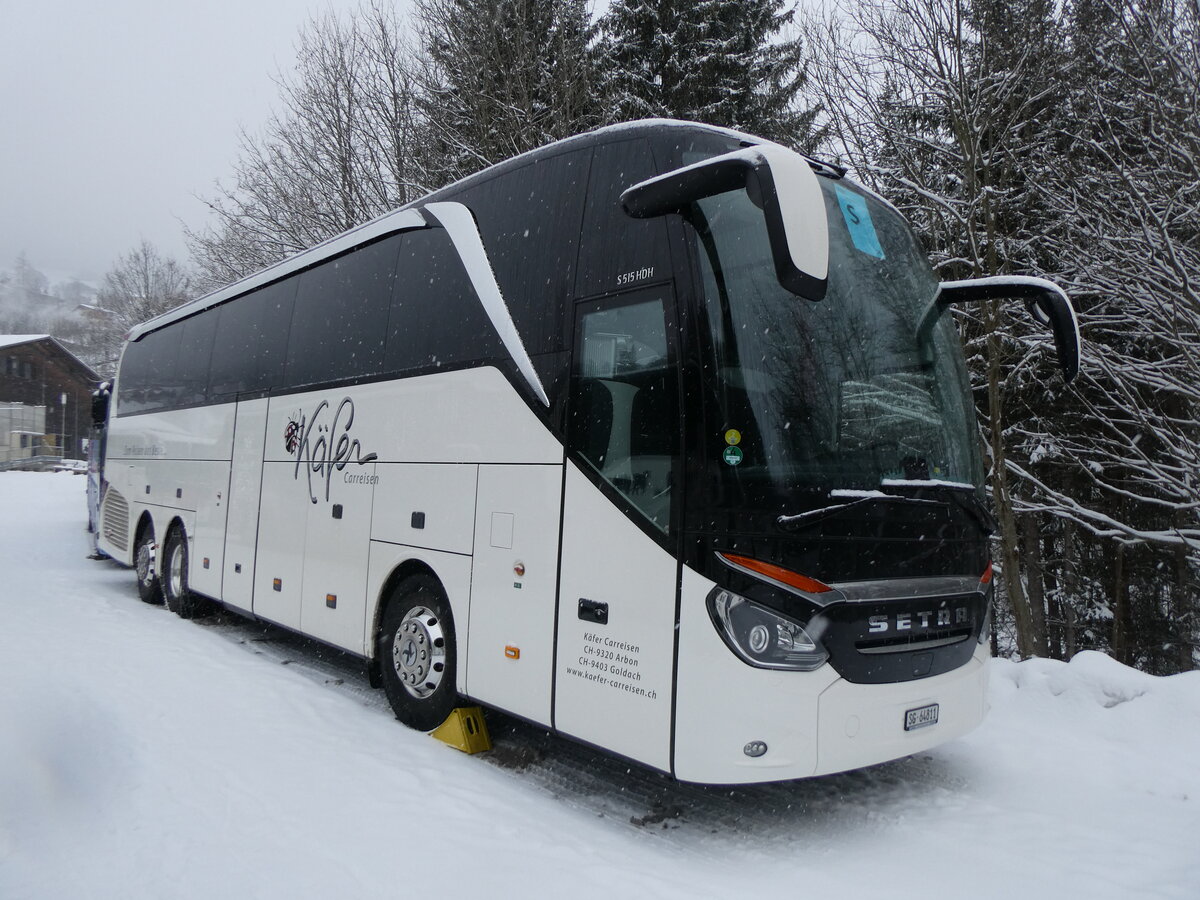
115,114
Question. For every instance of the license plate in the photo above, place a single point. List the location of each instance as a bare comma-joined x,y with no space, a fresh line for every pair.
921,717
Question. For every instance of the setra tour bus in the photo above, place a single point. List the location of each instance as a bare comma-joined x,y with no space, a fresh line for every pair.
659,437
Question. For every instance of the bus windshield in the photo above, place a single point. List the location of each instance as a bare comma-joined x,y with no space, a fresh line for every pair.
863,389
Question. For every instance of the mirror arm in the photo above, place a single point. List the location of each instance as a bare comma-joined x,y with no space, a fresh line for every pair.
1047,302
1002,287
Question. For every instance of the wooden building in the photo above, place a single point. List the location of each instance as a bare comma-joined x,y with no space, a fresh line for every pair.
37,371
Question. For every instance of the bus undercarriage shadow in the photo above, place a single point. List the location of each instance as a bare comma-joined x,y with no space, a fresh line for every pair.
816,809
633,796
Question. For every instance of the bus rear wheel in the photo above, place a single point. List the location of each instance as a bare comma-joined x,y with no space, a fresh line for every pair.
417,654
148,583
179,598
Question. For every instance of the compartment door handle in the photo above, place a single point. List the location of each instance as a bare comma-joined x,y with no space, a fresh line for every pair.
593,611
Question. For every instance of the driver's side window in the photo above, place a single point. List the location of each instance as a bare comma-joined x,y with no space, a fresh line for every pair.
624,416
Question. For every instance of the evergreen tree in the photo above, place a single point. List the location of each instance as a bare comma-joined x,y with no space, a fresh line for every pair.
715,61
1127,198
499,77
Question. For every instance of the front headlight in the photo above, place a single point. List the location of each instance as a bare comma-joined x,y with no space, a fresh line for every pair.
763,637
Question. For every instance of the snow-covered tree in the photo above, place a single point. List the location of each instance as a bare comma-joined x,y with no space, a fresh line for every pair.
25,303
1038,138
141,284
74,291
367,122
339,152
725,62
1128,199
499,77
935,103
27,278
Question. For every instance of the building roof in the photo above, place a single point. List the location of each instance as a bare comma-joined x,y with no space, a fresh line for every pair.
11,340
16,340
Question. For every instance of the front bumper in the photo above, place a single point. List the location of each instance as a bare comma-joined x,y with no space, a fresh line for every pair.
812,723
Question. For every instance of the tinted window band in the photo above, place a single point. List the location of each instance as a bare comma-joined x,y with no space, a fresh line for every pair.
460,225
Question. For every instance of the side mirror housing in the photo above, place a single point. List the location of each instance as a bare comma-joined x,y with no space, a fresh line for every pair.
1047,303
100,401
780,182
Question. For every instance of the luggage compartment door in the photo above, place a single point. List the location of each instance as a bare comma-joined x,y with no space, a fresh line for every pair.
245,487
513,585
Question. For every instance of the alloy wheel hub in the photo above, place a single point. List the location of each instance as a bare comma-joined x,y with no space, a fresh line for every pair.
176,572
419,652
145,570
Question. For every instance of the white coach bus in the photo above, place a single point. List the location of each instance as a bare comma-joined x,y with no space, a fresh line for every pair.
658,437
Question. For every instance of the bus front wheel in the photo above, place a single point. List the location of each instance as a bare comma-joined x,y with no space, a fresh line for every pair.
417,655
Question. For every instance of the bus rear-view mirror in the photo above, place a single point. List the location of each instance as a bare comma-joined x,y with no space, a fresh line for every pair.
1047,303
100,400
780,182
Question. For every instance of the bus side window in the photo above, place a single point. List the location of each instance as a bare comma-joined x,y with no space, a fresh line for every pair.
616,250
146,369
624,417
195,354
251,341
133,375
436,319
341,316
529,220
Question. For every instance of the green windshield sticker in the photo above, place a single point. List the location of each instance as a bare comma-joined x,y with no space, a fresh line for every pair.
858,221
733,455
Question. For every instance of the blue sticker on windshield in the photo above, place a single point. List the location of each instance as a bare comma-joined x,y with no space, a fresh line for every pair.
858,221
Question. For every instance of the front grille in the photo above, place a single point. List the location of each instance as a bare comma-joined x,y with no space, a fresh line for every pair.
114,520
902,639
914,642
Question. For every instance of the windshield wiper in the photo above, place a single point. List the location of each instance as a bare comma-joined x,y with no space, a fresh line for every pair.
854,498
970,503
967,501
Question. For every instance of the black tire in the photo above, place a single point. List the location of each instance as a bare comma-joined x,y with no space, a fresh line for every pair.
176,593
417,655
144,548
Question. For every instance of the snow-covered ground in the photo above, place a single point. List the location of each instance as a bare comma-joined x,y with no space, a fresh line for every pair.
145,756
